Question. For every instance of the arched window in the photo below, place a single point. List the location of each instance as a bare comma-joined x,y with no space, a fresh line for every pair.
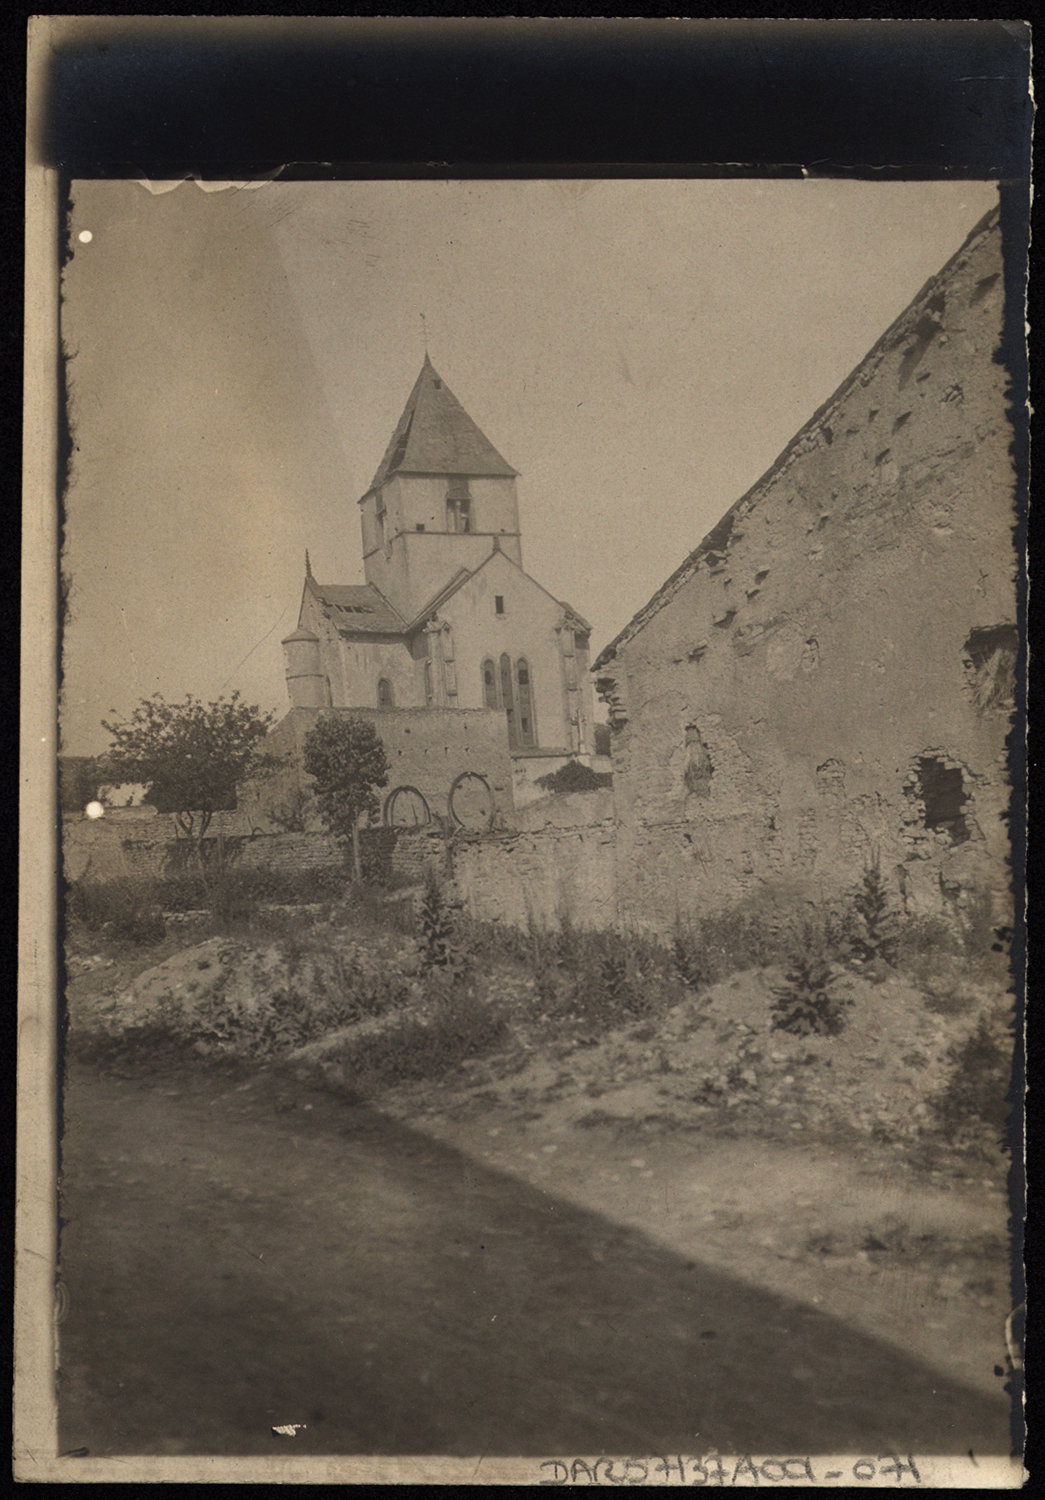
489,684
508,700
385,696
527,730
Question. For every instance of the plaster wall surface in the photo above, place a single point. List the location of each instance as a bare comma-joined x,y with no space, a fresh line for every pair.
794,699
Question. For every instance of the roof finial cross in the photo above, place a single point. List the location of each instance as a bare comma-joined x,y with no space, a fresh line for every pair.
308,565
424,334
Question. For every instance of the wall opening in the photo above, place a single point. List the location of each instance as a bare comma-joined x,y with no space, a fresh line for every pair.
989,656
458,506
941,789
385,695
699,770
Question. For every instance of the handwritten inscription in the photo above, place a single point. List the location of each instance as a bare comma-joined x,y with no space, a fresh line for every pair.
714,1470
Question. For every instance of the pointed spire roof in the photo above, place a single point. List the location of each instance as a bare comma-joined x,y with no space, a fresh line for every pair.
435,435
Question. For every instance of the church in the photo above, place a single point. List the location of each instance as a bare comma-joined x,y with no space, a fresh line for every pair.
447,618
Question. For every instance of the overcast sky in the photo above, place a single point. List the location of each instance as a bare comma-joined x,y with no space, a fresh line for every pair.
639,350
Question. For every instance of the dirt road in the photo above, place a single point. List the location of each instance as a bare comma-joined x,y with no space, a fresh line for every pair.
230,1268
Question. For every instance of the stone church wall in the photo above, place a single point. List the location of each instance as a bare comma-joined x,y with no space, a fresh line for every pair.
427,749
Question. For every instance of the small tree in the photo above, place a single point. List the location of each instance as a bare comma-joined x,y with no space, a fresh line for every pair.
190,757
347,760
878,933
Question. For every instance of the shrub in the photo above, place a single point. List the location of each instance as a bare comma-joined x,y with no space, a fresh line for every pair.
690,959
876,929
575,776
411,1050
806,1002
978,1087
125,910
440,948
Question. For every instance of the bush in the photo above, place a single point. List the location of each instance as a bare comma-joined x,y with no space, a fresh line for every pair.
575,776
126,910
981,1069
806,1003
412,1050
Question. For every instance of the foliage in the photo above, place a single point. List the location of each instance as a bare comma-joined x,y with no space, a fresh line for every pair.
806,1001
691,960
410,1049
190,756
440,948
124,911
290,816
978,1087
876,933
79,780
347,761
575,776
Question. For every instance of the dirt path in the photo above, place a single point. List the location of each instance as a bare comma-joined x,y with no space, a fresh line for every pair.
230,1268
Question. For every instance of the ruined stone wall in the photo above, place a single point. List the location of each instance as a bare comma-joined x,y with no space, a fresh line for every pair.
146,850
562,864
830,674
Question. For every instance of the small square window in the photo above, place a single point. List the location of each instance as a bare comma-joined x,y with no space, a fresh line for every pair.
498,603
420,526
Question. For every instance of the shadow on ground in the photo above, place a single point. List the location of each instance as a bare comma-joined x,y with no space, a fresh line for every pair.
229,1269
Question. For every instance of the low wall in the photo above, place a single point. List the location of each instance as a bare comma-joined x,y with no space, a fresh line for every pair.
148,849
538,875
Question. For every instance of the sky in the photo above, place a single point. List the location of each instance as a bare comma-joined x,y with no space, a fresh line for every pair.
640,350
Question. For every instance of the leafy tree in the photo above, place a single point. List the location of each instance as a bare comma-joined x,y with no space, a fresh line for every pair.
190,756
347,761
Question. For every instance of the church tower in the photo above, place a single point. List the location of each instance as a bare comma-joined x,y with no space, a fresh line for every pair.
442,497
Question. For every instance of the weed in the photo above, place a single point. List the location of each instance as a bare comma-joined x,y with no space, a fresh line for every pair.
691,961
439,946
126,910
806,1002
411,1049
876,934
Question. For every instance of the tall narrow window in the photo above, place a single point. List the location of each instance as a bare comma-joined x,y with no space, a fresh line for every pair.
380,512
508,700
498,604
428,682
458,506
385,698
527,734
489,684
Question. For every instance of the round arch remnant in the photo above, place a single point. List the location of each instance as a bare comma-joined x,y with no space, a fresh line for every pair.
471,802
405,807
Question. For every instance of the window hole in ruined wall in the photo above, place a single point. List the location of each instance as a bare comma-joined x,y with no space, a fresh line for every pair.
989,657
699,770
810,658
940,788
